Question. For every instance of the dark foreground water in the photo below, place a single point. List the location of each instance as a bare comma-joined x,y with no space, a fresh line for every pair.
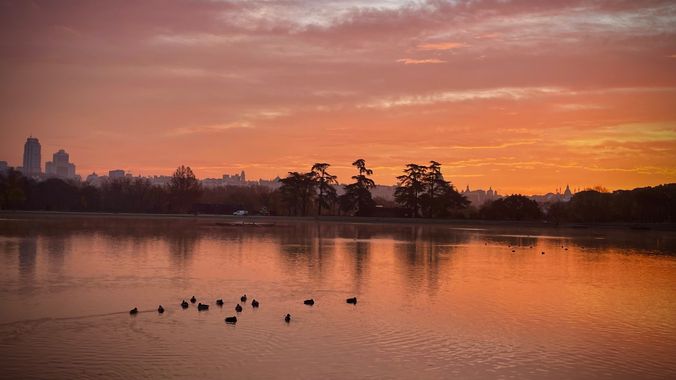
434,302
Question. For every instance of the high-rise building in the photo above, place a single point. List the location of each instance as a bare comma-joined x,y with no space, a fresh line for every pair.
3,166
60,166
31,158
116,174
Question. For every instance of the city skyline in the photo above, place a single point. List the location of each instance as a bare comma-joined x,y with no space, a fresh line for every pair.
523,96
61,167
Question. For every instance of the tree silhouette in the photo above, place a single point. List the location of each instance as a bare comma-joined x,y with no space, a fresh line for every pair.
13,188
298,190
513,207
440,197
184,189
357,197
325,181
410,187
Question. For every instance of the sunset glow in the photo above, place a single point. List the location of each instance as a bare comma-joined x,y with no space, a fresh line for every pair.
523,96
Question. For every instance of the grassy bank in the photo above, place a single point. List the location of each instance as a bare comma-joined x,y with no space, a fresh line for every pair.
341,219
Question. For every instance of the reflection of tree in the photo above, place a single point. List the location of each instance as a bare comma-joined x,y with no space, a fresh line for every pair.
360,251
424,253
56,246
307,245
28,250
182,245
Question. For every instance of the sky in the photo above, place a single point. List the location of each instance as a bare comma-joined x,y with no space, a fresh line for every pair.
524,96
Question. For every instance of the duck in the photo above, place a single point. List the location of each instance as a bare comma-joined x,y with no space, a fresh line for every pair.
219,302
287,319
352,300
243,298
230,319
254,303
542,253
184,304
309,302
193,299
133,311
238,308
160,309
202,306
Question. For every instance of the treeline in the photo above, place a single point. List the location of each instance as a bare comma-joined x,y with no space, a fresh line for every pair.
422,191
647,204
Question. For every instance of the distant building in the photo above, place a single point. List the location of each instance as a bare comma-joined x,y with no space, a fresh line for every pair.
554,197
234,180
567,195
3,167
479,197
116,174
32,166
60,166
159,180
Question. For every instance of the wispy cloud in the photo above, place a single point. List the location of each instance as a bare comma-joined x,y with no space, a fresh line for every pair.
465,95
442,46
208,129
412,61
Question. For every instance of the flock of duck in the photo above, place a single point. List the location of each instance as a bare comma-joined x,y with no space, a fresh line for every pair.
238,308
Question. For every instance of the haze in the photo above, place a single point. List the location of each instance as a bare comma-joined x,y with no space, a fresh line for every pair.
523,96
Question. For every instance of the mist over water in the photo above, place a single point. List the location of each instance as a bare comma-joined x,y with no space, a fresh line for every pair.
433,301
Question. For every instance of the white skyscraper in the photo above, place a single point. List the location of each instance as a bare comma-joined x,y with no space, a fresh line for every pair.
32,166
60,166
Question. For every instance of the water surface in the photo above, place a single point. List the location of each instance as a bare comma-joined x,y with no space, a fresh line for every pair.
433,301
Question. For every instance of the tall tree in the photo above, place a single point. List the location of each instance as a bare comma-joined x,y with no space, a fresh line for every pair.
298,190
440,196
357,197
410,188
326,196
184,188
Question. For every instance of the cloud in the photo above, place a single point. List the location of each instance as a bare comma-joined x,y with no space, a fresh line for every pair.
514,93
412,61
209,129
580,107
442,46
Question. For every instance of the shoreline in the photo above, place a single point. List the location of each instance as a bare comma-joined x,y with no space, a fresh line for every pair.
253,219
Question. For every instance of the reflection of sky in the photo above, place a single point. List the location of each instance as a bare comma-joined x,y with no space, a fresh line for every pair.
448,301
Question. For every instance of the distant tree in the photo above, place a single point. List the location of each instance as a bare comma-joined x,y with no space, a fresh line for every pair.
357,197
590,206
440,196
13,190
326,196
298,191
410,188
184,189
513,207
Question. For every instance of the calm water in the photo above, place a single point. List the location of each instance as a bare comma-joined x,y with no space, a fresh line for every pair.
433,301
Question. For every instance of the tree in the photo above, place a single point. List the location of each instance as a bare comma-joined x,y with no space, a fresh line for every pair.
325,181
184,189
440,197
357,197
410,187
298,190
513,207
13,189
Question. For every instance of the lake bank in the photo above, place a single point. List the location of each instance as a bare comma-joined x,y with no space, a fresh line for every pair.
260,219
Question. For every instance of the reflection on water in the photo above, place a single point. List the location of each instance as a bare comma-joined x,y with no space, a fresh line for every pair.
434,301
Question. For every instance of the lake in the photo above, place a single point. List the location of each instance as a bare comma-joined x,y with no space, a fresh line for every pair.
434,301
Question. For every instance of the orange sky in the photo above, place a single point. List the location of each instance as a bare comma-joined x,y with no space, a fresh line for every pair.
524,96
